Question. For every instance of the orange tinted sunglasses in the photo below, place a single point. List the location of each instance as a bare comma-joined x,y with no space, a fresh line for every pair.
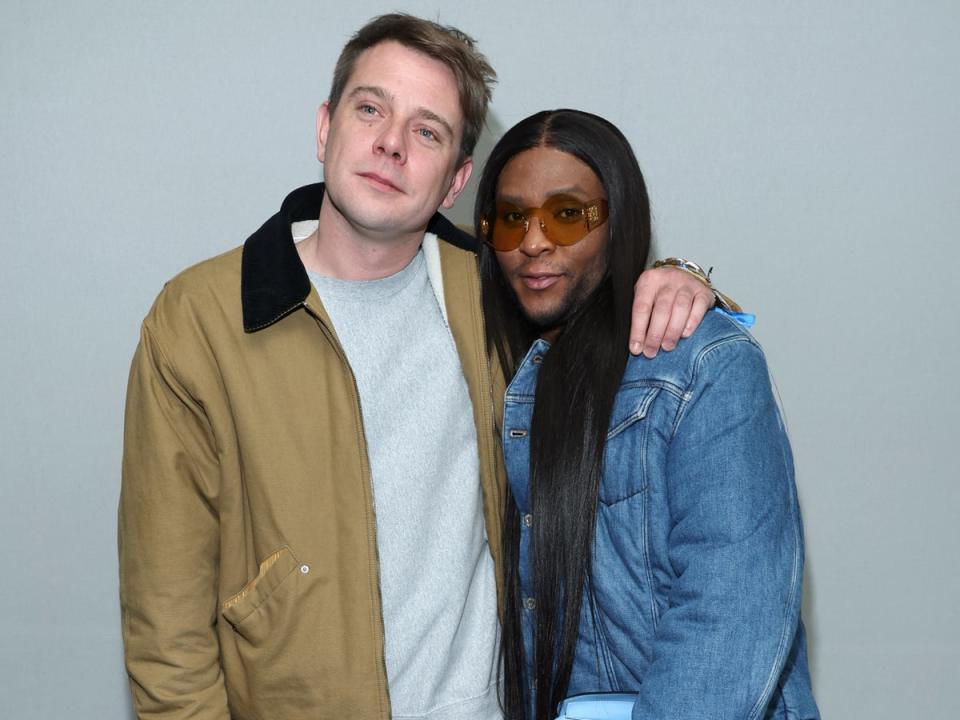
563,219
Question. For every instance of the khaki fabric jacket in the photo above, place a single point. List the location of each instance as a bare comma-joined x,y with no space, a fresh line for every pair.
249,580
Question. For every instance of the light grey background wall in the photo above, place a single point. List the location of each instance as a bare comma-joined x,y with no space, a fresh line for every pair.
809,151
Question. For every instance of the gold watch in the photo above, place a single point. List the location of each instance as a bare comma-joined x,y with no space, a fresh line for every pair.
692,268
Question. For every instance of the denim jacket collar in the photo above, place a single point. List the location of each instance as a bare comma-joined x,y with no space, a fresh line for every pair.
524,384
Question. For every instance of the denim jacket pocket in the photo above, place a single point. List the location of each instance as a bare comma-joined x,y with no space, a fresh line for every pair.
631,405
623,457
239,609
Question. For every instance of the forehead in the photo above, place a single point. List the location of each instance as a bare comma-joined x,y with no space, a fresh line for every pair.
538,173
409,78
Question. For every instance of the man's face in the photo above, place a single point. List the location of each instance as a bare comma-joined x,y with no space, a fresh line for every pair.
391,148
551,281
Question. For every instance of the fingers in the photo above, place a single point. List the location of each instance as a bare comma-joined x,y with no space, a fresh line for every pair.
680,311
702,301
643,295
668,304
659,320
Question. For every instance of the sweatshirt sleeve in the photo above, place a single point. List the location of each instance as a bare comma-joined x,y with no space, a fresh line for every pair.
168,538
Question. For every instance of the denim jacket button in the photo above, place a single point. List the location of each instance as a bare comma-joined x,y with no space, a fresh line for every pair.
530,604
528,519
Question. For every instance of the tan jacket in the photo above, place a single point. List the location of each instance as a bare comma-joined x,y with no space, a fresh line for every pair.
249,582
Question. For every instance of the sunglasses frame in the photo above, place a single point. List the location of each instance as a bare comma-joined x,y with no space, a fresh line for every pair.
595,213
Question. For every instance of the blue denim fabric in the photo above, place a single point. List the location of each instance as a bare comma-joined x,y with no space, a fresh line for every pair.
698,552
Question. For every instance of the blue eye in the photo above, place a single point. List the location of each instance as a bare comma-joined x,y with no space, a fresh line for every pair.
427,133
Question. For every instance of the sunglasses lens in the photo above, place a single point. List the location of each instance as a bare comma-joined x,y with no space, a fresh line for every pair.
509,227
563,220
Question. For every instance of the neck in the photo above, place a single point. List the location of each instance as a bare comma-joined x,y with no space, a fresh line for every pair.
344,251
551,334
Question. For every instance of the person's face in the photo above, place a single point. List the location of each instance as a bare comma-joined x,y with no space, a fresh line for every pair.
391,148
551,281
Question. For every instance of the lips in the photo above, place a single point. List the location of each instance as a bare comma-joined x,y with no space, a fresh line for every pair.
539,280
379,181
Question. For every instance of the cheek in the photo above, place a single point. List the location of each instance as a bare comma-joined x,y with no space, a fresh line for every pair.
508,261
592,256
440,174
598,262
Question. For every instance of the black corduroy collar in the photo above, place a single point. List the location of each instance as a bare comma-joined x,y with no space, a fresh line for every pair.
273,281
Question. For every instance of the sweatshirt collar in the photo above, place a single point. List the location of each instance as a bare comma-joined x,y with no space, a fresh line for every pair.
273,281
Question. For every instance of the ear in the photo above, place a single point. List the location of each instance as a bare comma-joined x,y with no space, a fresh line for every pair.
460,178
323,127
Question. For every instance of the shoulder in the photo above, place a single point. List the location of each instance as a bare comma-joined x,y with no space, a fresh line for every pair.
203,294
208,274
718,342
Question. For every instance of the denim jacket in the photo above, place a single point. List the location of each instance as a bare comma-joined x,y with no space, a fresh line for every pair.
698,549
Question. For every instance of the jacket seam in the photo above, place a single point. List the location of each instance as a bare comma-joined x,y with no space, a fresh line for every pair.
701,358
634,417
645,526
786,635
268,323
179,378
373,571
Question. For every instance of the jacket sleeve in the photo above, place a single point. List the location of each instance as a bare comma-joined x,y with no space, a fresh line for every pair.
168,544
735,546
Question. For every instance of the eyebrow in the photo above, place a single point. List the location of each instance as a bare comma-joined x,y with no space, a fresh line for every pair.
421,112
571,190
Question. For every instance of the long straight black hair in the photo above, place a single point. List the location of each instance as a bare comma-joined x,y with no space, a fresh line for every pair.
577,383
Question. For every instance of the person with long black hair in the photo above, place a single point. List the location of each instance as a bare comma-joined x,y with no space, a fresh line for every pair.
652,536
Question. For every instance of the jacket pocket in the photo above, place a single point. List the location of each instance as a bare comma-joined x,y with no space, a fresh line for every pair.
631,406
624,473
240,609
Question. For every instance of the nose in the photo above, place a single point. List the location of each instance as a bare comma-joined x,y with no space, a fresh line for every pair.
392,141
535,240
